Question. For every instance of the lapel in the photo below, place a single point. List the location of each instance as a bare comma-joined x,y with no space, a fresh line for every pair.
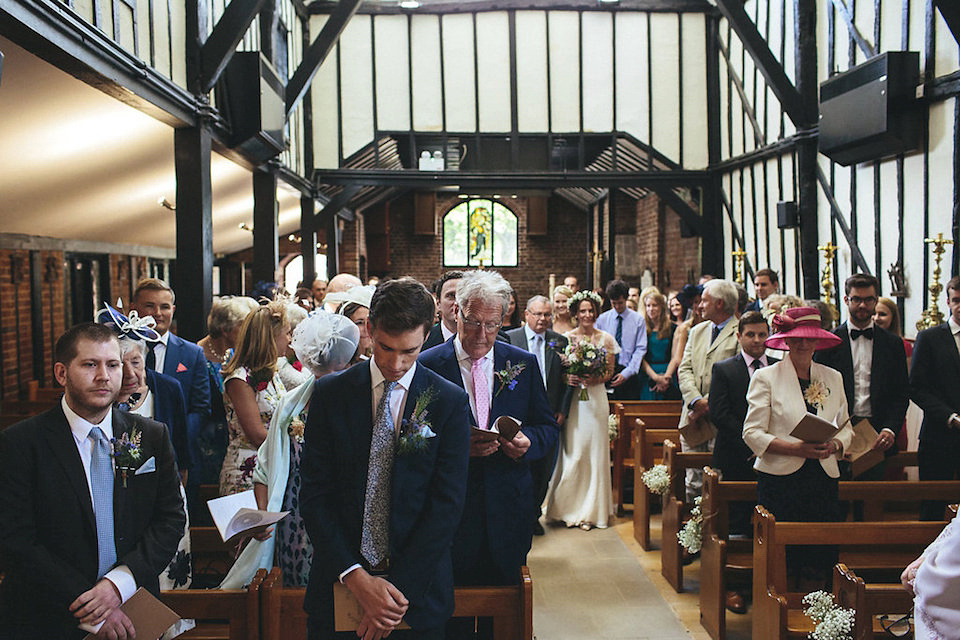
726,332
743,372
172,357
794,405
64,449
499,400
950,346
357,426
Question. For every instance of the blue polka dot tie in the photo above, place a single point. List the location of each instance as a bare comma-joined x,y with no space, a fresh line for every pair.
101,480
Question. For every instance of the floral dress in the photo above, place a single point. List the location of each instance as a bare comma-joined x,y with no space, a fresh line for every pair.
294,551
236,475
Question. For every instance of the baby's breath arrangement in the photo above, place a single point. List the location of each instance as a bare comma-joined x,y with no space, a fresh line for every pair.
691,536
833,622
656,479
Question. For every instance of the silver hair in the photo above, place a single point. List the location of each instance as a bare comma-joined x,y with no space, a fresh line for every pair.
295,315
723,290
227,312
486,287
535,299
129,344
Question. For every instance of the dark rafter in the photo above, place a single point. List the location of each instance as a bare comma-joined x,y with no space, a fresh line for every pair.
680,206
336,207
865,46
475,6
473,180
768,65
226,35
950,10
862,266
318,51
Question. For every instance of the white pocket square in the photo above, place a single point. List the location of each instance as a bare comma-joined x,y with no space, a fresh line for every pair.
147,467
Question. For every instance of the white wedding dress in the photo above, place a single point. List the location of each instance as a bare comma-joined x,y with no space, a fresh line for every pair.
580,491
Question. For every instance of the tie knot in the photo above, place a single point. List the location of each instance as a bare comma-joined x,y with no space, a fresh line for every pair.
476,364
97,435
389,386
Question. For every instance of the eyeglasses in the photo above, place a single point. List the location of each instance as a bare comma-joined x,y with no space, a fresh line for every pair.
867,301
545,314
473,325
896,626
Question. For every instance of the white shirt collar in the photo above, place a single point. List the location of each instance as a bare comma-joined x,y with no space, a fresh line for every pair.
954,327
80,428
462,355
446,333
376,378
530,333
853,327
750,359
165,338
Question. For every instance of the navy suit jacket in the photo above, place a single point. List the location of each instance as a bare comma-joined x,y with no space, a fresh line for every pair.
551,359
185,362
889,383
427,491
434,338
48,533
499,492
169,408
935,387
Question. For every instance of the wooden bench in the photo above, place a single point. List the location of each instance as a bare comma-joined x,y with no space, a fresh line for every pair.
868,600
220,614
510,606
676,509
778,613
647,451
654,414
212,557
721,556
49,395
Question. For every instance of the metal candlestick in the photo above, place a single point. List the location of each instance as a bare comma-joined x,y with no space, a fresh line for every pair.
826,281
932,316
738,256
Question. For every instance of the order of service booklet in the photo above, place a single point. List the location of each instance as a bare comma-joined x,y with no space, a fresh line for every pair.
237,516
505,427
861,453
149,616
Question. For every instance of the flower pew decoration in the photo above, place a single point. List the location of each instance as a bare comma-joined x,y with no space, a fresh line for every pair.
691,535
613,426
833,621
656,479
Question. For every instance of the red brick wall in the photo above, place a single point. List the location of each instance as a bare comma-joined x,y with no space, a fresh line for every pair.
674,260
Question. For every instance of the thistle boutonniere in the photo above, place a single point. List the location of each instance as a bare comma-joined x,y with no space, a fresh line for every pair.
507,377
296,428
415,430
260,379
126,453
816,394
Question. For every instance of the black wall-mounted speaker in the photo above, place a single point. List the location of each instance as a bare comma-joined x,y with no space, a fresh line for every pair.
788,216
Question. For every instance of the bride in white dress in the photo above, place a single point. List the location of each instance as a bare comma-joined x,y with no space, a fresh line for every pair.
580,492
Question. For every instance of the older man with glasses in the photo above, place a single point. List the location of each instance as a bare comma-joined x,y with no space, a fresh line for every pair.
501,380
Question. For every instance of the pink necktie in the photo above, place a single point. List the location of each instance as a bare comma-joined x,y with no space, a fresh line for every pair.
481,393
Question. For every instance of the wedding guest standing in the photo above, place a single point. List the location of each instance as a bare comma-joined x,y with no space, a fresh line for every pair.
289,368
629,330
383,469
446,294
354,304
251,391
75,542
887,317
659,363
798,481
935,387
324,343
766,282
580,492
562,320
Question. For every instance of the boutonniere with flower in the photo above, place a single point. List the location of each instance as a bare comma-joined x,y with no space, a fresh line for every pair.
816,394
415,430
507,377
296,427
260,379
126,454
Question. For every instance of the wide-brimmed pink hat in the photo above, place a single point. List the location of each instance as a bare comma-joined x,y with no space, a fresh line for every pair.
800,322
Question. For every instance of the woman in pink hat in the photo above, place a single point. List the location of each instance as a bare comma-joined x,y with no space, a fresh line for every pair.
797,480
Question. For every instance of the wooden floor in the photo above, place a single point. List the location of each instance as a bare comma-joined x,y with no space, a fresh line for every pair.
601,584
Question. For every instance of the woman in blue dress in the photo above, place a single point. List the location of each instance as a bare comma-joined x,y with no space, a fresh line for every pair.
658,366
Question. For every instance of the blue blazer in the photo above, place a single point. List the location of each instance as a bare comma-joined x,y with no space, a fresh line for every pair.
499,492
185,361
427,492
168,408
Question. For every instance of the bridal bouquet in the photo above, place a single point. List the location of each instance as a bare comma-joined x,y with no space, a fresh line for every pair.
584,359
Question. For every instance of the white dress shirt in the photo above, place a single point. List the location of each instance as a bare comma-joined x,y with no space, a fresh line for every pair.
446,333
861,350
160,351
466,372
121,576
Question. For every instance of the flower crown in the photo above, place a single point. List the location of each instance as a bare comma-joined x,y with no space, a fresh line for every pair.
584,294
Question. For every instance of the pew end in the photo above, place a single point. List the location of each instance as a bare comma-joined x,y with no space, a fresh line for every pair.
220,614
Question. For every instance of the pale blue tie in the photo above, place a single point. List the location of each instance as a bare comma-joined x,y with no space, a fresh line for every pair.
101,480
538,351
374,541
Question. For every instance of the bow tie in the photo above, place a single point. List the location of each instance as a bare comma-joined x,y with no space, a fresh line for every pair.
866,333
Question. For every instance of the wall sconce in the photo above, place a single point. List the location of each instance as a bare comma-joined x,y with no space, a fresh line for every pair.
244,226
163,202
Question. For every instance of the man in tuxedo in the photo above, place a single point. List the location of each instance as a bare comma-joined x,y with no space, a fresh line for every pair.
77,536
174,356
445,290
935,387
501,380
629,330
384,470
707,343
547,345
766,282
874,369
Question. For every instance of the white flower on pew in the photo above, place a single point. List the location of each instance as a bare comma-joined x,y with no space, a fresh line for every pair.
691,536
656,479
833,621
613,426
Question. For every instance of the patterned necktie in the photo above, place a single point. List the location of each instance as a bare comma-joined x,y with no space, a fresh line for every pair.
481,393
619,334
538,351
714,334
374,541
756,365
151,356
101,480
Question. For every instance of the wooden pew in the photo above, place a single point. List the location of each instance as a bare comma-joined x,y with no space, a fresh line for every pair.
48,395
676,509
220,614
647,451
722,556
777,613
212,557
511,608
868,601
654,414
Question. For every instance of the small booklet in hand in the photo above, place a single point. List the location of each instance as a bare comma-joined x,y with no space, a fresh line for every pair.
505,427
237,516
149,616
698,431
813,428
861,453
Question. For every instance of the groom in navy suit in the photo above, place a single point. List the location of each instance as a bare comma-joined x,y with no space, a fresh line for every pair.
384,470
502,380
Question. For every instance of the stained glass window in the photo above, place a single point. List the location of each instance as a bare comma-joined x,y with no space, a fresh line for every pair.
480,232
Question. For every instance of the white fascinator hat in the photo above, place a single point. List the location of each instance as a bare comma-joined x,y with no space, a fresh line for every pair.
325,342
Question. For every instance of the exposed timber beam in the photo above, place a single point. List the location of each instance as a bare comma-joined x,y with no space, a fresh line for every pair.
680,206
837,214
473,6
768,65
950,10
865,47
318,51
469,180
335,207
226,35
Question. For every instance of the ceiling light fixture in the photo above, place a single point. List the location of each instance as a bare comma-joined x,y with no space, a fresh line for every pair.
409,4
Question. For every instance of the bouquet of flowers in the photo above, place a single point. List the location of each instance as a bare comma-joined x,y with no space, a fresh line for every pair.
691,536
584,359
833,621
613,426
656,479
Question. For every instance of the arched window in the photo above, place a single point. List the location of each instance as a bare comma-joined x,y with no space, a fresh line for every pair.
480,232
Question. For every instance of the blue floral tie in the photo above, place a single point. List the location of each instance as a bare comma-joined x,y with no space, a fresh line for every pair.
374,541
101,480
